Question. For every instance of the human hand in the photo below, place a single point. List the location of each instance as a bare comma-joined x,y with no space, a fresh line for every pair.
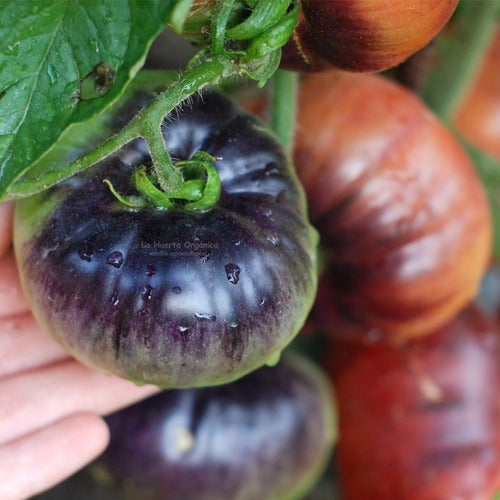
50,404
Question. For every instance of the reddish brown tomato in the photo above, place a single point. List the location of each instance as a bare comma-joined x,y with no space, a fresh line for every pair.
421,422
478,116
363,35
402,215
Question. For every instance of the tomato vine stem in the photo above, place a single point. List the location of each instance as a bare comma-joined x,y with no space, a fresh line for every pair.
211,71
283,106
450,81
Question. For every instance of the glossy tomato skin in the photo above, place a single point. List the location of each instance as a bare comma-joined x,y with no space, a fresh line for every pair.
403,218
478,115
420,421
175,298
363,35
267,435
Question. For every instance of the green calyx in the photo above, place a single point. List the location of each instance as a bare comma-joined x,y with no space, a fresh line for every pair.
199,191
266,29
275,37
256,41
264,15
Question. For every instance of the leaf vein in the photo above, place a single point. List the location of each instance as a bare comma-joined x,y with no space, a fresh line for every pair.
9,148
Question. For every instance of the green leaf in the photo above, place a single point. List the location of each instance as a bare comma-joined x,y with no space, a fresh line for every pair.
63,61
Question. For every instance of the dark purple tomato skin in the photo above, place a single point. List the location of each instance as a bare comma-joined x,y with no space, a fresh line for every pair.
265,436
175,298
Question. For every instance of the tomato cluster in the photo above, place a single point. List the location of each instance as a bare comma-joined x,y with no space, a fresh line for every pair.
406,233
188,298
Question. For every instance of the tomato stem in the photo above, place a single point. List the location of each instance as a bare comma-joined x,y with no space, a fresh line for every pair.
283,106
168,177
24,188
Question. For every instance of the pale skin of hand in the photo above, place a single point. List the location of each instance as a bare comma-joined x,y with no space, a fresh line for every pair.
50,404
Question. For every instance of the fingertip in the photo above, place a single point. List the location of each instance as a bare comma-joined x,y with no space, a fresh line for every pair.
57,391
41,459
96,432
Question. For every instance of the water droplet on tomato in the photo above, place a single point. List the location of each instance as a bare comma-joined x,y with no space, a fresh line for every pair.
271,169
115,259
184,331
232,273
205,255
147,292
233,324
115,299
205,316
151,270
86,252
274,240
